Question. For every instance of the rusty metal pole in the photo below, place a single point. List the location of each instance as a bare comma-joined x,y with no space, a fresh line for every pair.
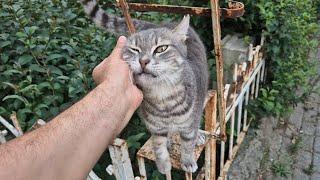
215,16
125,9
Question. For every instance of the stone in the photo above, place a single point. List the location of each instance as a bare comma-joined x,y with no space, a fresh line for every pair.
303,159
247,162
296,116
309,115
298,174
307,143
234,50
317,145
308,128
316,162
315,176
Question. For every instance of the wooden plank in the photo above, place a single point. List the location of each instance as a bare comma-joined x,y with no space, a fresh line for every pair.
121,160
210,124
215,16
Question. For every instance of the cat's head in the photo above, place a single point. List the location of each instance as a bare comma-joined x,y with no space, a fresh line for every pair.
155,55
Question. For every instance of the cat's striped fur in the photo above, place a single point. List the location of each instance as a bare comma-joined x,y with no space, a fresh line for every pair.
169,66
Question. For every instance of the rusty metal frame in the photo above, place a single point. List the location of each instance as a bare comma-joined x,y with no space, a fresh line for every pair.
235,9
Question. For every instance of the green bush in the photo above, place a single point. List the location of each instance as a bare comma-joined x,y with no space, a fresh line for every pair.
290,28
48,50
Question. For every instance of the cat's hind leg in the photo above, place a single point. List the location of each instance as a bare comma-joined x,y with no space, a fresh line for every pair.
162,155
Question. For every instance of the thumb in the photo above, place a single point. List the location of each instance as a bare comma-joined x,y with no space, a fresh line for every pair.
116,53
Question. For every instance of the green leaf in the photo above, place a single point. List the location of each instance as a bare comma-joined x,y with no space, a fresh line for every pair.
25,59
4,44
37,68
55,70
24,100
54,56
31,30
21,35
133,140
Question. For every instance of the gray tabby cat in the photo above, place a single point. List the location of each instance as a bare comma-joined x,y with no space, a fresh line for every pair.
170,67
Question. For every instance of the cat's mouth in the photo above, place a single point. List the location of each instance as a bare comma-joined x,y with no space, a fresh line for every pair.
147,74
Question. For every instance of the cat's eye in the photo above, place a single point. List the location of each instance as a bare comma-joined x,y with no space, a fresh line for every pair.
135,50
161,49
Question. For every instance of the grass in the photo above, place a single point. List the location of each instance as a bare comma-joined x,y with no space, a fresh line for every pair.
295,146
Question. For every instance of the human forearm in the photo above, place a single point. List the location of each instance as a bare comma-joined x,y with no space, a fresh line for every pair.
70,144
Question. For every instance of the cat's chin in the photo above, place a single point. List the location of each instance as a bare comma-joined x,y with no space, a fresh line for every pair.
145,78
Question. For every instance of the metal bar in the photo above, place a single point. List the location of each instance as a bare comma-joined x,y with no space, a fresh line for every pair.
231,135
253,87
210,124
219,66
222,151
121,160
188,176
125,9
239,118
246,88
257,83
168,176
12,129
93,176
235,9
16,123
142,168
3,136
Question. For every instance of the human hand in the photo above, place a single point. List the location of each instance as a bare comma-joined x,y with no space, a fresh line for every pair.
113,72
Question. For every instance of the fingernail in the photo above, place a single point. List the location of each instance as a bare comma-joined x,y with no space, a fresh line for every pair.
122,39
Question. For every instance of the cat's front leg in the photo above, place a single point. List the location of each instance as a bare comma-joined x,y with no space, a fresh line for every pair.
162,155
188,141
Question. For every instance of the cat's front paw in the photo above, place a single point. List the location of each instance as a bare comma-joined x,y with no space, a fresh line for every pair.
189,164
164,166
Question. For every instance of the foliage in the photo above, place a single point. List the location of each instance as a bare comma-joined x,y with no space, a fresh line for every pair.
289,29
48,50
280,169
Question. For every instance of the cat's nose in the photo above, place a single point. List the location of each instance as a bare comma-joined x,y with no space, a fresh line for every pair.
144,62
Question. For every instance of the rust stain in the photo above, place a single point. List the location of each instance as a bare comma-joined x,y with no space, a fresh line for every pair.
234,10
175,153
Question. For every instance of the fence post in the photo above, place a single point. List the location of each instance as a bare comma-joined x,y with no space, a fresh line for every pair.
215,16
210,124
120,159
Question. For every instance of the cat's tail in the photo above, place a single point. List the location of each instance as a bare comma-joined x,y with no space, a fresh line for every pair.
109,22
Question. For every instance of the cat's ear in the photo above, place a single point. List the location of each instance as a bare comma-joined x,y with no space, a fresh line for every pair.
181,30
